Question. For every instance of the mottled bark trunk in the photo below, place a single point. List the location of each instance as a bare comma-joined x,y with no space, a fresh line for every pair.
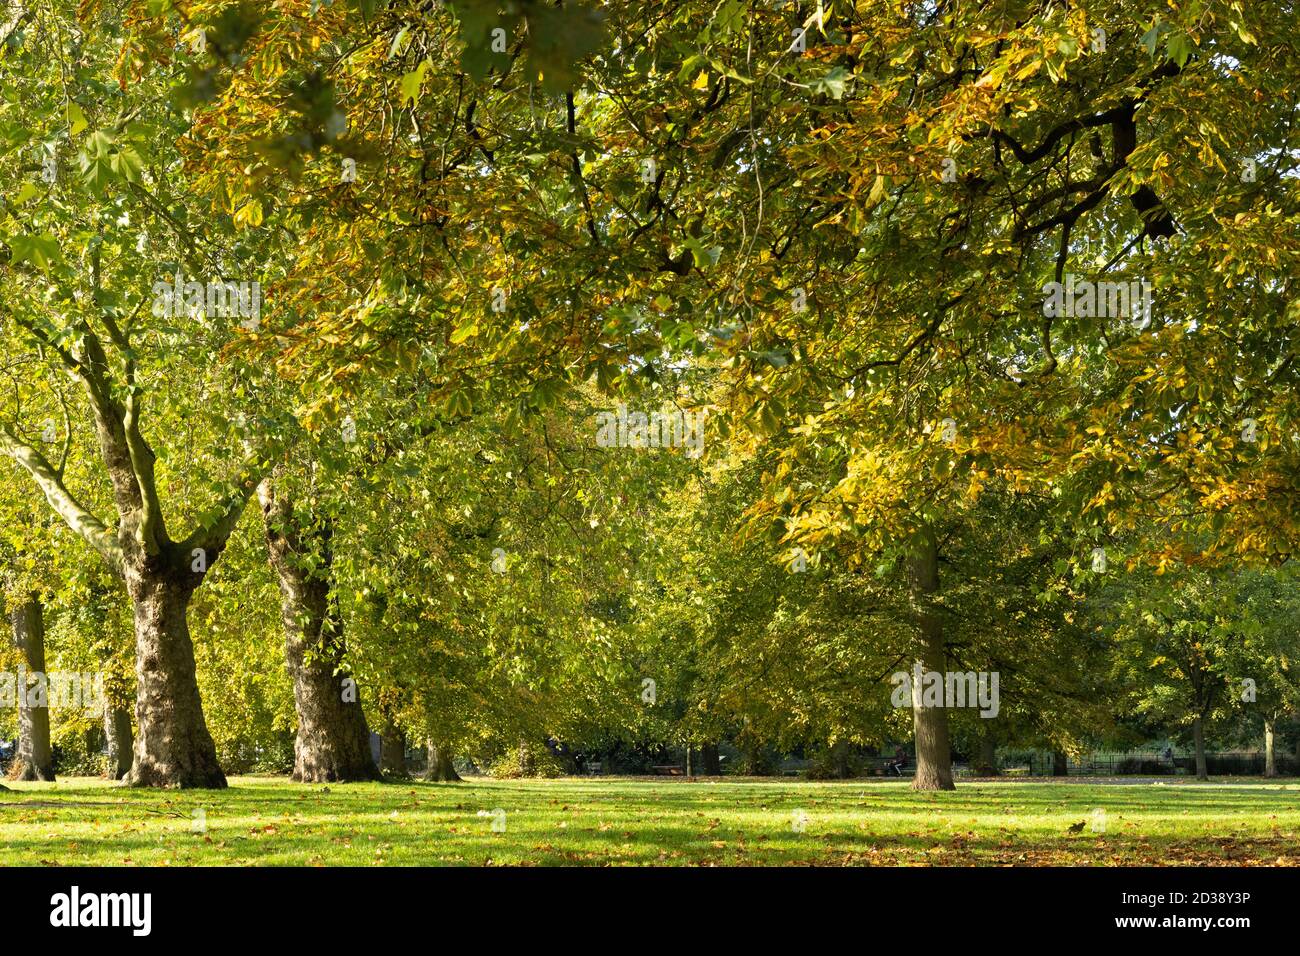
117,733
392,750
710,761
933,750
173,747
1198,735
1270,754
333,741
35,758
440,768
1060,764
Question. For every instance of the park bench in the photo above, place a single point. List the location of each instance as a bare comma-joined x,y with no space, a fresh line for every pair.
879,767
668,770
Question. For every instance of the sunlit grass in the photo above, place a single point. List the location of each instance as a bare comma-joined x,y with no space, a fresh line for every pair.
269,821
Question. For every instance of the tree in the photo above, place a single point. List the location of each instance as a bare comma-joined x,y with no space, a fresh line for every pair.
95,636
27,584
859,229
1177,639
35,759
333,741
1264,681
99,319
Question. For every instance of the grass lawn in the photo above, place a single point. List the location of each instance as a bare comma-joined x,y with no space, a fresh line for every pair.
265,820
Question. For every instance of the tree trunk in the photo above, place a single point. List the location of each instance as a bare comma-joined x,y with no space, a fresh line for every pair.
1198,734
526,765
173,747
117,732
1270,756
440,768
1060,763
710,761
986,764
35,756
933,750
840,764
332,741
392,750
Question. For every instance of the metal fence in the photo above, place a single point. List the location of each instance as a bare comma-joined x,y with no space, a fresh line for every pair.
1153,764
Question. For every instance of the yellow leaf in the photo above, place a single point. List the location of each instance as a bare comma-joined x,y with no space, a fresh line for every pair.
249,214
877,191
76,119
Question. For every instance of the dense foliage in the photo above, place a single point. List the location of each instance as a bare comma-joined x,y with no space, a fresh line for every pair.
617,383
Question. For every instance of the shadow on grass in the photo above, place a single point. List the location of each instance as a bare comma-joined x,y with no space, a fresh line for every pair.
616,821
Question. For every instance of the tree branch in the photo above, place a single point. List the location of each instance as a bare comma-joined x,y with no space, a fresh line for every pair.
74,514
212,537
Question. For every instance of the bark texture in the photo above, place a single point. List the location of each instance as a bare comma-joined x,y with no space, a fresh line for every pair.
35,757
332,741
392,750
841,760
527,766
1198,734
933,749
173,747
440,767
120,739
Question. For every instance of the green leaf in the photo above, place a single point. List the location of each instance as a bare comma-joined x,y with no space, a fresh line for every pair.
466,331
704,256
127,164
729,18
40,250
76,119
832,84
777,358
768,423
98,143
411,83
1179,48
398,42
691,66
459,403
1151,39
97,162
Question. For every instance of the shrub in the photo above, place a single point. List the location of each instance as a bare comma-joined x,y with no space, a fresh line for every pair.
509,766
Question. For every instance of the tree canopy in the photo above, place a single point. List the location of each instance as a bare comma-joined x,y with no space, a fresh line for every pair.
646,378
